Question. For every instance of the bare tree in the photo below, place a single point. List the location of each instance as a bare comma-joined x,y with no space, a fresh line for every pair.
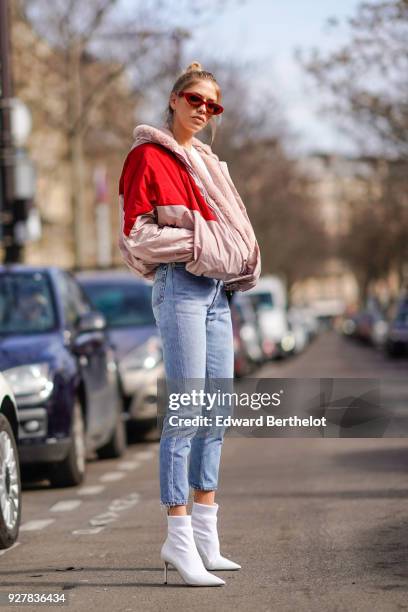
367,82
368,77
85,50
375,243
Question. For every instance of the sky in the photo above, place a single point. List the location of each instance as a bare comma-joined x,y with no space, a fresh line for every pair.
262,35
266,34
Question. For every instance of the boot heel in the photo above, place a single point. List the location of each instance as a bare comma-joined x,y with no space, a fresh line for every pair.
166,564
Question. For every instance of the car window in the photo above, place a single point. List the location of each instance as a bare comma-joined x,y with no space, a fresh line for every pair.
26,303
262,300
74,304
402,317
123,304
82,303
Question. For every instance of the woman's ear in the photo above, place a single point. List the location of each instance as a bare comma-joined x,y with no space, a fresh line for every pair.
172,101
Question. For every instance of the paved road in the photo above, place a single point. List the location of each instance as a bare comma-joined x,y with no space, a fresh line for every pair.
317,524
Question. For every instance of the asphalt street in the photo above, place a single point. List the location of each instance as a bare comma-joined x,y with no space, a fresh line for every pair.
317,524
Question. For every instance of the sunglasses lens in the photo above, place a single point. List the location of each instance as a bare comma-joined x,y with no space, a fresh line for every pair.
194,100
214,109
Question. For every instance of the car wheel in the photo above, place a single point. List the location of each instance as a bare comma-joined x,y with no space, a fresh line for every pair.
141,430
10,486
71,471
392,350
118,441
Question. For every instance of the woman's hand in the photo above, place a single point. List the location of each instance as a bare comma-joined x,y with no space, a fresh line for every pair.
249,279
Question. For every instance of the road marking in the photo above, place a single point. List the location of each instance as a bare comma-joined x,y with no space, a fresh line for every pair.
34,525
123,503
128,465
87,531
116,506
110,476
103,519
91,490
143,455
66,506
2,552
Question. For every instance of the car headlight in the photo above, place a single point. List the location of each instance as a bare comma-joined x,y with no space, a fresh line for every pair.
146,356
30,383
380,327
288,342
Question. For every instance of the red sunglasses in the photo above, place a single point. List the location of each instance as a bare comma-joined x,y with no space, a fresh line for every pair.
196,100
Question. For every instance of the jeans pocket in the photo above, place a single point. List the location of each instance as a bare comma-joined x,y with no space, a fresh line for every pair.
159,285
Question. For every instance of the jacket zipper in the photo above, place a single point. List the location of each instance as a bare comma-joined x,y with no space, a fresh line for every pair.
218,213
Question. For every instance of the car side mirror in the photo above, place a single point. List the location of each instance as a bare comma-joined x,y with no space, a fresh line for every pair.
90,322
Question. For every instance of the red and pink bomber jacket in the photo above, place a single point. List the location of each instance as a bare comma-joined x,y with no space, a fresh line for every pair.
171,212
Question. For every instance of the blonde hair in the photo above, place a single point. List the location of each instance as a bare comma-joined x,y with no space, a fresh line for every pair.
192,74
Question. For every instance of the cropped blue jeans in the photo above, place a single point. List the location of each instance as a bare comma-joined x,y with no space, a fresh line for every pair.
194,321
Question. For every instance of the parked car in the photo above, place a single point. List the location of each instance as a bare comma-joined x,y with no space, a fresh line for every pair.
242,363
396,342
10,479
328,312
270,301
249,329
56,357
299,329
310,322
368,324
126,302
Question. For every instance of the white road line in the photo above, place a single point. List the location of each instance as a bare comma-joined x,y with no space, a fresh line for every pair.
87,531
110,476
34,525
112,514
117,505
143,455
2,552
128,465
66,505
91,490
104,519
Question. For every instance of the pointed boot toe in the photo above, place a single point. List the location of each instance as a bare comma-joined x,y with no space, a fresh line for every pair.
204,523
221,563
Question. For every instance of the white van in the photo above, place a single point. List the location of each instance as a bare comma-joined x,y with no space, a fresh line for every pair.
270,299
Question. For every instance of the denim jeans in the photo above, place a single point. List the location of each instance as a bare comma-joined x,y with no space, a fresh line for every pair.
194,321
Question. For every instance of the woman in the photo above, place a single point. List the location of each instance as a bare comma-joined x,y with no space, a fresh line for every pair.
184,226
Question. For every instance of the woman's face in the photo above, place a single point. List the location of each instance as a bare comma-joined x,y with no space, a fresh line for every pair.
189,118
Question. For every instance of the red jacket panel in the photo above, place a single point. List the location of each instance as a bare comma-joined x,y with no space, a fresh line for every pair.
152,176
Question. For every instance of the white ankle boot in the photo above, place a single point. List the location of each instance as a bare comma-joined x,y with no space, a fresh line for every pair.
204,522
180,550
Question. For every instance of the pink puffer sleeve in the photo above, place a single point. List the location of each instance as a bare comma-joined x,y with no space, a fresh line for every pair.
250,278
140,234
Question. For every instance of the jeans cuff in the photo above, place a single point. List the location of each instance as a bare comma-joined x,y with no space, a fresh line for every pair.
173,503
199,488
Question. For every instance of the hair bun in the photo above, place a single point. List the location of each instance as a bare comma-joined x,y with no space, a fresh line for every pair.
193,66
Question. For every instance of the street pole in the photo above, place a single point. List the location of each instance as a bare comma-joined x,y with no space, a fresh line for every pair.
12,250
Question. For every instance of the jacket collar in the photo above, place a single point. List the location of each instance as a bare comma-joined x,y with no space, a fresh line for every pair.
147,133
164,137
